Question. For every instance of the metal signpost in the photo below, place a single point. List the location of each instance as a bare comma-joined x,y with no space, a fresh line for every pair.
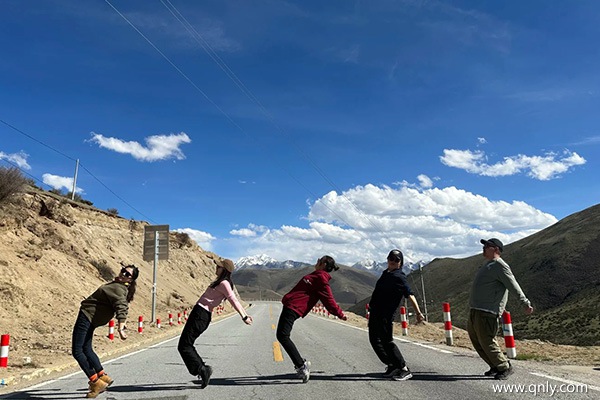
156,247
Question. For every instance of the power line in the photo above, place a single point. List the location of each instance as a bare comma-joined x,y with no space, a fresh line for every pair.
72,159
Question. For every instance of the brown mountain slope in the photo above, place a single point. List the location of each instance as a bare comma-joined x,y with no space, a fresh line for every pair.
348,285
557,269
48,264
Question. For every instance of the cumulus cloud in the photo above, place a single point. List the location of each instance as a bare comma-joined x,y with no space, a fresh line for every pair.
20,159
364,222
158,147
543,168
60,182
243,232
204,239
425,181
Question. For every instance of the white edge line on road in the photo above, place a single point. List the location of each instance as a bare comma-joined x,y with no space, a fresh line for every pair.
395,337
570,382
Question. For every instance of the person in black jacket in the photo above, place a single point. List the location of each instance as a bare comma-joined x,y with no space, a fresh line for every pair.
385,301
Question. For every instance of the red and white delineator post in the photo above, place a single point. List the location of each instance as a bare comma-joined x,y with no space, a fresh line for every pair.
140,324
170,319
367,310
158,323
111,329
178,318
4,345
509,339
447,324
185,315
403,321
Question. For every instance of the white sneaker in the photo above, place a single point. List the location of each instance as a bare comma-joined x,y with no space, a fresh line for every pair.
304,371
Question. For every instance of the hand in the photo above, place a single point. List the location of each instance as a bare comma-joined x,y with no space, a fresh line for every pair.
248,321
528,310
420,317
344,318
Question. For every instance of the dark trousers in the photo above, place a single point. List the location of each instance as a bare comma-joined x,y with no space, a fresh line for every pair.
483,327
284,330
381,337
197,323
81,346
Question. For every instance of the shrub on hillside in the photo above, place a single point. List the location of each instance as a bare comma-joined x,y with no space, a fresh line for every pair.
183,239
11,182
113,211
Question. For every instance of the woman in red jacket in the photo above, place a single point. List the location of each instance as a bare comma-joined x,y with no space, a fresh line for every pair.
298,303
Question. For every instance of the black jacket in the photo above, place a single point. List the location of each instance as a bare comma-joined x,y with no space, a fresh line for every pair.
389,290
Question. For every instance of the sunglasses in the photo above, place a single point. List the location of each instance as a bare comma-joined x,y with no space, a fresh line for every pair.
393,259
126,273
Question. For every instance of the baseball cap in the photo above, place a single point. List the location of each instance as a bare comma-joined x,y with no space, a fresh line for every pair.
493,242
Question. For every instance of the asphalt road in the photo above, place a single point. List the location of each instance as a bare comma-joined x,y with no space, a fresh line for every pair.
246,366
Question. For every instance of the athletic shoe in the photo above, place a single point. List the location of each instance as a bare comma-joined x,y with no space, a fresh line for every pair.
503,375
204,375
403,375
304,371
491,372
390,371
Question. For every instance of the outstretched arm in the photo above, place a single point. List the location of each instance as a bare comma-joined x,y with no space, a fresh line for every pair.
415,306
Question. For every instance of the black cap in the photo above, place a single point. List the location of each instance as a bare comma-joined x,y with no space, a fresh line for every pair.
493,242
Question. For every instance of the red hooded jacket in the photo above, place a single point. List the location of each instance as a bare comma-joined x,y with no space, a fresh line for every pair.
312,288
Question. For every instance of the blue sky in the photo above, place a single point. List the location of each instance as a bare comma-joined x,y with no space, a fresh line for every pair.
297,129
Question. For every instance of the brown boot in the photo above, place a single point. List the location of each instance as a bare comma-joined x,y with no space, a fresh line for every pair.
109,381
96,388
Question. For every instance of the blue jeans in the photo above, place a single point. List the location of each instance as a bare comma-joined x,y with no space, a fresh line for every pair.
82,350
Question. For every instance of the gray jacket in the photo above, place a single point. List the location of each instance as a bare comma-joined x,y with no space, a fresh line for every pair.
491,286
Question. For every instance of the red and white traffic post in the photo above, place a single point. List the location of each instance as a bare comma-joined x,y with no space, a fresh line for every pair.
509,339
367,310
111,329
140,324
178,318
447,324
158,323
4,345
403,321
170,319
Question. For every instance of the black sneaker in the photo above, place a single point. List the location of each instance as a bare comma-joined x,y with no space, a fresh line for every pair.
403,375
491,372
391,371
503,375
204,375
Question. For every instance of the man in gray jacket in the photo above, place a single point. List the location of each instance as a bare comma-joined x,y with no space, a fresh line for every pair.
488,299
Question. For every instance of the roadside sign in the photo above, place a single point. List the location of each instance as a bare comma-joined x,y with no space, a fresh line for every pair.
151,247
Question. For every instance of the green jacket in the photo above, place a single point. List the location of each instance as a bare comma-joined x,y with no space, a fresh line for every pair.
105,302
491,286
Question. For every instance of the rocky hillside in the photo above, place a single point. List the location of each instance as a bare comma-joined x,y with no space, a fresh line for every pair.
54,253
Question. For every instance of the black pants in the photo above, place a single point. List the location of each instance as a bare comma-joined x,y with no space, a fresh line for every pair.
197,323
284,330
381,337
81,346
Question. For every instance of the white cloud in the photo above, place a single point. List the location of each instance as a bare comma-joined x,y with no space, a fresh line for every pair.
543,168
204,239
364,222
19,158
481,140
425,181
159,147
243,232
60,182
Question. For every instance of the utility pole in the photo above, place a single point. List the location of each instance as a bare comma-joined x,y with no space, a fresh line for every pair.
75,180
423,287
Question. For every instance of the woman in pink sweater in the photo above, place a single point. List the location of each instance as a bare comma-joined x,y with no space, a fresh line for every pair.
199,319
298,303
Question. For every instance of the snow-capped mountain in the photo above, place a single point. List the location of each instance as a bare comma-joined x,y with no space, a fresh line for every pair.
263,261
377,267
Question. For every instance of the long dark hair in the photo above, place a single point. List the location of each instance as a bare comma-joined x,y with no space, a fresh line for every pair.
223,276
330,264
132,286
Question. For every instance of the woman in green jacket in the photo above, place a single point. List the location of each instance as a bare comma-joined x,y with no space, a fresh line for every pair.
97,310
